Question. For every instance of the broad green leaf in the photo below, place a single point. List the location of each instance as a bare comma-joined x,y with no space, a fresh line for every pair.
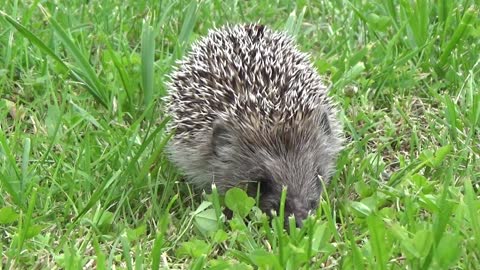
220,236
360,209
238,201
422,241
264,259
33,231
206,221
377,241
448,250
104,221
137,233
320,237
408,244
441,154
198,263
8,215
472,206
194,248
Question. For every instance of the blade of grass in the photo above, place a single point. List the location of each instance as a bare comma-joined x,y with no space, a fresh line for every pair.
154,156
471,203
460,31
54,136
443,215
97,194
451,115
160,235
216,206
33,39
87,116
100,256
91,87
123,74
139,257
377,234
148,56
356,255
6,181
89,75
27,220
279,225
187,28
24,168
126,251
198,263
294,22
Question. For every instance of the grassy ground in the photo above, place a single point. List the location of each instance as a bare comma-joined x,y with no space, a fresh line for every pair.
84,182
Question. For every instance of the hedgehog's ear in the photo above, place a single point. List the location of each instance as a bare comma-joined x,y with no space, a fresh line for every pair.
220,136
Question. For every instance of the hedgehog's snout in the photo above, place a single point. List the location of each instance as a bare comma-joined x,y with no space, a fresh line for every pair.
298,209
300,215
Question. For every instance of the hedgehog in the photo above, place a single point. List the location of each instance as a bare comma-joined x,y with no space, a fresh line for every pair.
248,109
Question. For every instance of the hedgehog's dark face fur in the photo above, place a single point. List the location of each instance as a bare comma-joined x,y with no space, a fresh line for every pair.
298,157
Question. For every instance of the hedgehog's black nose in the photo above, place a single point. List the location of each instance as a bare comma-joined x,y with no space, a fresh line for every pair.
299,216
299,222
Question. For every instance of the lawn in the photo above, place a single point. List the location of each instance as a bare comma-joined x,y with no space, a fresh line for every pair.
84,181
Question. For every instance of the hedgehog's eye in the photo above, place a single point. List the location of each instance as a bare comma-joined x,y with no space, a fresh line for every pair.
312,204
265,187
265,181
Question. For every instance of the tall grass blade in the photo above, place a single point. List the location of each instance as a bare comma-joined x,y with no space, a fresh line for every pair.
187,28
459,33
472,207
27,219
33,39
294,22
91,82
9,183
126,251
442,218
123,74
377,235
24,168
148,56
97,194
86,71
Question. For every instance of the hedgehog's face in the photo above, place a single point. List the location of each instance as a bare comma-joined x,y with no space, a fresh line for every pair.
297,204
273,162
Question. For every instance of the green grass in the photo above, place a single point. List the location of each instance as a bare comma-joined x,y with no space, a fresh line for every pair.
83,177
